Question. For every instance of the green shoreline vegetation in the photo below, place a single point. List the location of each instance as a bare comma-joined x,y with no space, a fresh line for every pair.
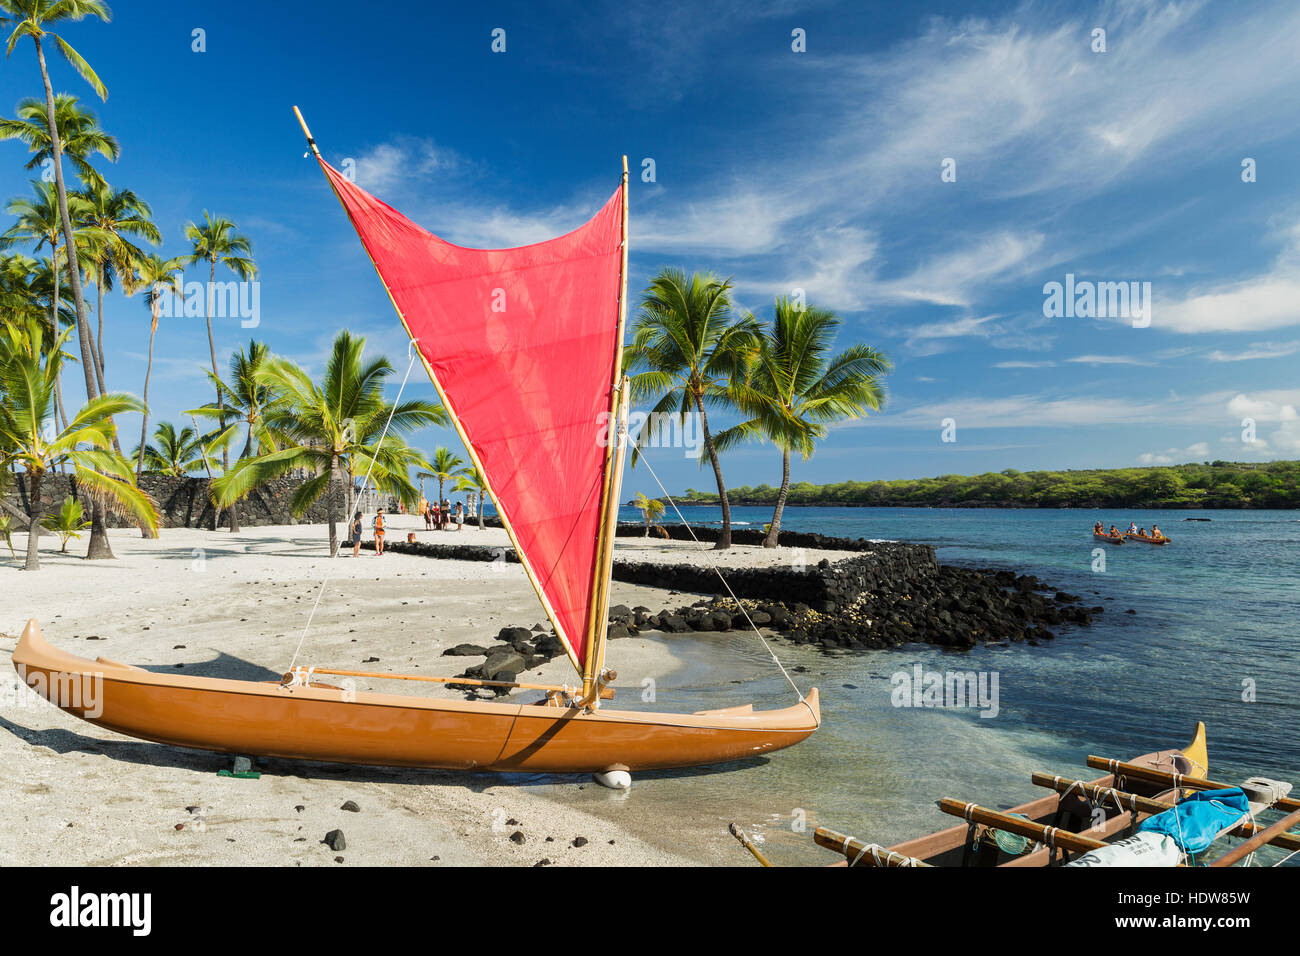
1217,484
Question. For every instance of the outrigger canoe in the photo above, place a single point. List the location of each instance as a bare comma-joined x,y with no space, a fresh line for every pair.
1146,539
549,438
320,722
1109,538
1077,817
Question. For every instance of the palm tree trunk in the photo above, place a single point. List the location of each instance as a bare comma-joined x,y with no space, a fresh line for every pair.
331,502
352,497
145,530
99,348
54,327
99,546
98,342
144,423
212,350
482,497
234,505
34,522
724,536
773,533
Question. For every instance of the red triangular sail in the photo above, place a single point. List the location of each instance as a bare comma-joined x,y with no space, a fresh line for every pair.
522,344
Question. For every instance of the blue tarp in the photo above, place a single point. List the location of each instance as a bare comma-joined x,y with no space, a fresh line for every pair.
1201,817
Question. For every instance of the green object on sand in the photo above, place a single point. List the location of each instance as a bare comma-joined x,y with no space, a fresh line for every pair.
242,770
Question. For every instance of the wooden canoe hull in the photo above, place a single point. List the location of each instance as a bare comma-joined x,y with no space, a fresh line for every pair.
1110,539
1138,537
333,725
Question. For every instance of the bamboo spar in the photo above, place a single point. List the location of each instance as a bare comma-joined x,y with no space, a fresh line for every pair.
1182,781
598,619
1265,836
305,131
1145,805
1053,837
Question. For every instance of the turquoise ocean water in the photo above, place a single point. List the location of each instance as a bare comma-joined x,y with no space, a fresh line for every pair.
1217,622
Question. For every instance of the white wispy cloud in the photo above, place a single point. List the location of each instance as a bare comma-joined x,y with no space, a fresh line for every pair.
401,160
1175,456
1258,303
1260,350
1020,101
1108,360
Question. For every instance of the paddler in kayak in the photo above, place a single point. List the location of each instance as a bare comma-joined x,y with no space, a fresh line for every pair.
1156,532
1114,532
1132,527
1096,529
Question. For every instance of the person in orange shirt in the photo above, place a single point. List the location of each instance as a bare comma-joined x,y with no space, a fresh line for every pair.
379,531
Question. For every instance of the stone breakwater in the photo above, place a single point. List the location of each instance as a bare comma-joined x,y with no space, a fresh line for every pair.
956,608
889,594
182,502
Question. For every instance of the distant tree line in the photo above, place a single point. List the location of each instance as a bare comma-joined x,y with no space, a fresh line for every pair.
1217,484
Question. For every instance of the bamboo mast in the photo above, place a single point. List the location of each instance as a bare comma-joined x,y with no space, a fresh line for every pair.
598,618
460,430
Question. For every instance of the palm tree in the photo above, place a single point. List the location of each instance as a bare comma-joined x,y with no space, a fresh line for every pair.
249,398
25,417
157,277
335,427
68,522
6,532
38,222
688,345
794,388
446,466
173,452
651,508
30,18
117,216
217,242
79,133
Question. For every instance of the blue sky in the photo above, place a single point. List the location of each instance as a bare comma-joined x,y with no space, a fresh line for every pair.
818,170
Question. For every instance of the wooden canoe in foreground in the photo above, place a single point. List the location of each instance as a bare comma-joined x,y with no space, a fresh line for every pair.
318,722
1146,539
1108,538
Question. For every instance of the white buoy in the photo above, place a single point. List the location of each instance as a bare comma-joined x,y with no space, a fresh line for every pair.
614,779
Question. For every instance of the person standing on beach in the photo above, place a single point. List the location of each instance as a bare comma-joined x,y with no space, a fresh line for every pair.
434,517
356,535
379,531
460,516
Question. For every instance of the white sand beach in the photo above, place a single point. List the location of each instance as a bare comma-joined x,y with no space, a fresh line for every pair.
213,603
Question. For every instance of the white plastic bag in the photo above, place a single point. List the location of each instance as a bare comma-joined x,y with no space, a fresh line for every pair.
1141,849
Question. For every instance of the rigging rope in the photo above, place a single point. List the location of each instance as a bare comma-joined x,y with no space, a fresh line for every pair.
411,350
716,571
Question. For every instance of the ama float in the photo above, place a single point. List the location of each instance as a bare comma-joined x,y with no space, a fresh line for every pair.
527,364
